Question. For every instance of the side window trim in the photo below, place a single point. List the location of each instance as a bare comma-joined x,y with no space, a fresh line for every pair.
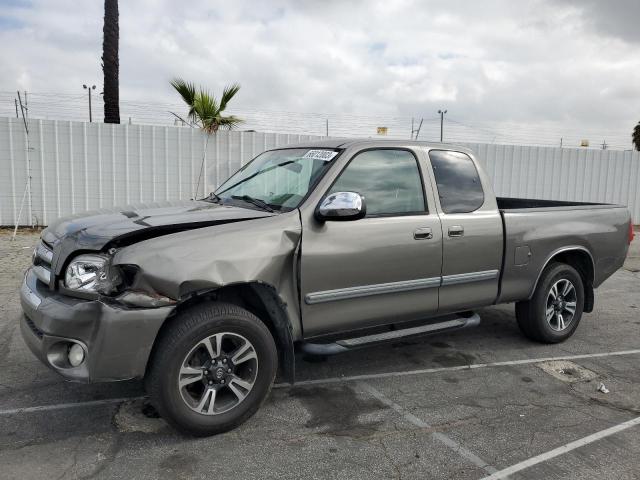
421,174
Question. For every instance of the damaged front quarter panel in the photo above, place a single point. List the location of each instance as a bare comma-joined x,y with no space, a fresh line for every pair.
134,298
176,266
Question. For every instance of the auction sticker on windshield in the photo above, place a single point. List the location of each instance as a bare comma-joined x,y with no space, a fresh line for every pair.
325,155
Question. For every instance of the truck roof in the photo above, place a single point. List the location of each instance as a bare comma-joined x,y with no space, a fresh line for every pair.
373,142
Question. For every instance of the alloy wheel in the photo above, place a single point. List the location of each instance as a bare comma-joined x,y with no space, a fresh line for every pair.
218,373
561,305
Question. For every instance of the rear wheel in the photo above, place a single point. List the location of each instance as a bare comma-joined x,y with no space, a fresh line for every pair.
212,369
555,310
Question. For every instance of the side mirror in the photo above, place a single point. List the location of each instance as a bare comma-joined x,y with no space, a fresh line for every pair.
341,206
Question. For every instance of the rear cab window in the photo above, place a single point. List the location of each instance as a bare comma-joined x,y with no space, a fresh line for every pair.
457,180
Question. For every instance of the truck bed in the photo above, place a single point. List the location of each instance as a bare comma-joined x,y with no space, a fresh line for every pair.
536,230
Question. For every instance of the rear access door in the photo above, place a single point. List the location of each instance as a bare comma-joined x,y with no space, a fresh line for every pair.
471,229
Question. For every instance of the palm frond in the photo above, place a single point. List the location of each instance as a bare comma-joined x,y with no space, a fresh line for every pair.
187,91
229,122
207,110
204,109
228,93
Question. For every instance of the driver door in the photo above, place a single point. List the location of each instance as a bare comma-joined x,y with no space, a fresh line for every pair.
383,268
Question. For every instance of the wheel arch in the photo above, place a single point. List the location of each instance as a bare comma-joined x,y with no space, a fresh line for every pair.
579,258
259,298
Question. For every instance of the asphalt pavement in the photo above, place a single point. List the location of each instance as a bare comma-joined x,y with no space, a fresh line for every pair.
483,402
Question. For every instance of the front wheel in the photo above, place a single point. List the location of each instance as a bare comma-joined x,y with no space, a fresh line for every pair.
555,310
212,369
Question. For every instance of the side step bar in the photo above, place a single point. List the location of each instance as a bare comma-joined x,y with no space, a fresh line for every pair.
347,344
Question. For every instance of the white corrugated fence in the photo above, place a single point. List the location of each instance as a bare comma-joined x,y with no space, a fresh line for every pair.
76,166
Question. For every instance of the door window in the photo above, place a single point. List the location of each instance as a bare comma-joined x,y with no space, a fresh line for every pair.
459,186
389,180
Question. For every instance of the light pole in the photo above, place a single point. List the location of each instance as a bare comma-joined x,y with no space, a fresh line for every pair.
441,112
92,87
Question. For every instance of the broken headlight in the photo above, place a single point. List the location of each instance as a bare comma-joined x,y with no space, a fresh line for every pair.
92,273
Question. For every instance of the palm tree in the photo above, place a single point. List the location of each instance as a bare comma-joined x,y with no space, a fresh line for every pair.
205,112
110,62
636,136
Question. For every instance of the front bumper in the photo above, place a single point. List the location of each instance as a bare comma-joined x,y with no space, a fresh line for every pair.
116,340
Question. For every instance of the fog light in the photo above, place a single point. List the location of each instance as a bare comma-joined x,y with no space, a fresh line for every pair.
76,355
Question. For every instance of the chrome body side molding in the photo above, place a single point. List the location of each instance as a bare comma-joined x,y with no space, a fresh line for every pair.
469,277
397,287
367,290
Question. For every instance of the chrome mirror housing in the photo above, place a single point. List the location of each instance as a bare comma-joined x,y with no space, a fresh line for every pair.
341,206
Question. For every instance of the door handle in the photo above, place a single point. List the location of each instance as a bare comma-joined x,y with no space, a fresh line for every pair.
456,231
423,233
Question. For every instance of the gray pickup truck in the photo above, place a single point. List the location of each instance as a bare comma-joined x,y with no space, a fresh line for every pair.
323,248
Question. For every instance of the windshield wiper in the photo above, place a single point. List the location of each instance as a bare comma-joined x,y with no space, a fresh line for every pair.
254,201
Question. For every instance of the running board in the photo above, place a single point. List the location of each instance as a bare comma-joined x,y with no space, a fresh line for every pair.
347,344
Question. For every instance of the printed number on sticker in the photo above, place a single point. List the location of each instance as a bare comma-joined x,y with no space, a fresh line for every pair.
325,155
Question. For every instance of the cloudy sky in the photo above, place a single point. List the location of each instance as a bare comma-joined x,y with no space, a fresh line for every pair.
564,67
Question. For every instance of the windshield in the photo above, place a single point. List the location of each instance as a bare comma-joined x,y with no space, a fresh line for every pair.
278,178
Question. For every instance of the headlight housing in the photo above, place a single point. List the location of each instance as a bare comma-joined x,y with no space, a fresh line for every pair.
91,273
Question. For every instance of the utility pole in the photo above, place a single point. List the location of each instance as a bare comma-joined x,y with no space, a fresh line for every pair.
23,110
604,145
16,100
92,87
416,131
560,142
441,112
327,124
419,128
27,187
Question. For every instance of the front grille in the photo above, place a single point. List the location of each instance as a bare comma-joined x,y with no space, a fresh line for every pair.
42,258
36,331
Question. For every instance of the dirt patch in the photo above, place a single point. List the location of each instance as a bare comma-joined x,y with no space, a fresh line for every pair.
567,371
178,466
454,359
339,411
138,416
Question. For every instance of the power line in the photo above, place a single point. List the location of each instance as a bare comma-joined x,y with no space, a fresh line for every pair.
71,107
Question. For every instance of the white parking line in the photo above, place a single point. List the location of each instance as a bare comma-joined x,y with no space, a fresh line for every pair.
439,436
353,378
526,361
62,406
563,449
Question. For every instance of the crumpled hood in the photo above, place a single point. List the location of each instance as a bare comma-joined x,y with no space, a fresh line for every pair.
124,225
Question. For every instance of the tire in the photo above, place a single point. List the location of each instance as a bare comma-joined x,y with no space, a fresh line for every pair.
532,314
182,355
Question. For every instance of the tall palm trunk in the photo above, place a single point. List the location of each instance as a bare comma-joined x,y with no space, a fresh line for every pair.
110,63
636,137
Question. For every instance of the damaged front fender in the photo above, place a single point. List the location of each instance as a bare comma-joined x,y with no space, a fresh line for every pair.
134,298
179,265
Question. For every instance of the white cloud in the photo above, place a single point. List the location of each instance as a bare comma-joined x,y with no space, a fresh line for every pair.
566,63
